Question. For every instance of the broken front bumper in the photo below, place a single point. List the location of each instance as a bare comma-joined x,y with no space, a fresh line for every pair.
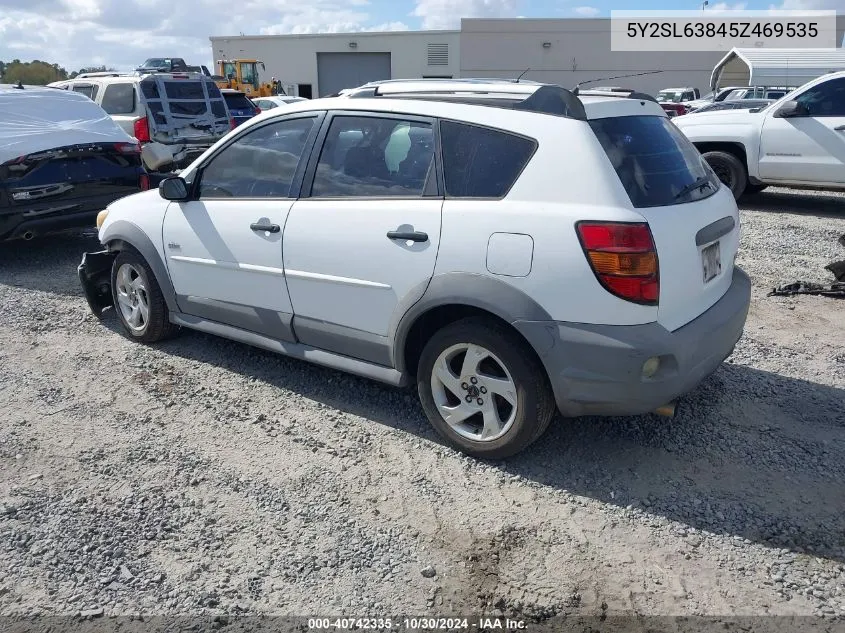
95,276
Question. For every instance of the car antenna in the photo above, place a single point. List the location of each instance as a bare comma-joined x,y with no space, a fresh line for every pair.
590,81
521,75
20,84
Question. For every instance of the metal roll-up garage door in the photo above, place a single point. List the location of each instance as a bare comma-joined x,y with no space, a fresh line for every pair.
336,71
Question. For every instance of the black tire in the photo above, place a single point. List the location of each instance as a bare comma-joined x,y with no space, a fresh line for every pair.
158,326
730,171
535,404
750,189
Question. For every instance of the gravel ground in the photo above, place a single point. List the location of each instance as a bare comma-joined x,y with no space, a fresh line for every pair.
202,476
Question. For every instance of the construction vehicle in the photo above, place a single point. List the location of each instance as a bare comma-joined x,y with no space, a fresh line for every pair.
242,74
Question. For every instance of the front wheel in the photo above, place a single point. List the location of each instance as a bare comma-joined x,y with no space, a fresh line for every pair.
483,389
730,171
138,300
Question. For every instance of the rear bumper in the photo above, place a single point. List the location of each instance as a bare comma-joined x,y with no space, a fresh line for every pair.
38,221
597,369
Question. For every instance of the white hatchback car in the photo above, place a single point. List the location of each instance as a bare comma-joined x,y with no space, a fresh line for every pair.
510,248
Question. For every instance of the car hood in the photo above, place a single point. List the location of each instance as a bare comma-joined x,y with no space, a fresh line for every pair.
717,117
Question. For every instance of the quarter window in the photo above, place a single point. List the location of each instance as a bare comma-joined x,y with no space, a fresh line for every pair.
480,162
89,90
825,99
260,164
373,157
119,99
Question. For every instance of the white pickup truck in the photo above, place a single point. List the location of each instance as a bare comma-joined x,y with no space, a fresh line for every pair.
798,141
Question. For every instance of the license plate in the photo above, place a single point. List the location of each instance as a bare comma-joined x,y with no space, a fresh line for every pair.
711,261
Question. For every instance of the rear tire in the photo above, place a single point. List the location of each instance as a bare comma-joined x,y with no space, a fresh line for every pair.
138,300
730,171
482,377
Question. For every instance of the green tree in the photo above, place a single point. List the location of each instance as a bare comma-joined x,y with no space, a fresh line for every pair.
34,73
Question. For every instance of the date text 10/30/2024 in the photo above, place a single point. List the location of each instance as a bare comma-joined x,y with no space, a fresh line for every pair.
417,624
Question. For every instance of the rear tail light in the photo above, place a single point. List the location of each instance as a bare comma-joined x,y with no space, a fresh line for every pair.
144,182
128,148
232,123
257,110
142,130
623,258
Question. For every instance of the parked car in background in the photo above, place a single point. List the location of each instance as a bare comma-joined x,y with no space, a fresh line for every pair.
798,141
548,251
280,101
240,107
62,160
757,92
175,116
674,100
710,97
734,104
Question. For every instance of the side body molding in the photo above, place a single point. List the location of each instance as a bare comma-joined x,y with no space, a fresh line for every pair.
463,289
122,232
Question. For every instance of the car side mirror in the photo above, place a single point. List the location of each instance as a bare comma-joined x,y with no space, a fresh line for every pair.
174,188
791,109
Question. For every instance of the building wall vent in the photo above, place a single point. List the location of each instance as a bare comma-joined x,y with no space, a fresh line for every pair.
438,54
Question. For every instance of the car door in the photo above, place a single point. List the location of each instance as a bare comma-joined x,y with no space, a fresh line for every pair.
811,148
224,247
361,243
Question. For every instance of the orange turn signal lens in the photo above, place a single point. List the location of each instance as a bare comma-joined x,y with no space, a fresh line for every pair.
633,264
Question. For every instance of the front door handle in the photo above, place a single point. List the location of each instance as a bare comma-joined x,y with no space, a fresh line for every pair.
269,228
408,236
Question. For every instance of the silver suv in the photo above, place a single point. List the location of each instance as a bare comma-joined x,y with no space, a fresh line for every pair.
175,116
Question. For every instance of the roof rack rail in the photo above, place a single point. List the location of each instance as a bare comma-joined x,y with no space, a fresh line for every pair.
619,94
539,98
108,73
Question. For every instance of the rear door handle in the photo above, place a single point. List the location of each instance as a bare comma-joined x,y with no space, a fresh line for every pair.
269,228
839,128
405,236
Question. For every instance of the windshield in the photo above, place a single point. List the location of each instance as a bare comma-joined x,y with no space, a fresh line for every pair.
249,74
654,160
669,97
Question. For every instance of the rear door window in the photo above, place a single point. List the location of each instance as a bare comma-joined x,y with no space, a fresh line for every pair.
480,162
656,163
368,156
119,99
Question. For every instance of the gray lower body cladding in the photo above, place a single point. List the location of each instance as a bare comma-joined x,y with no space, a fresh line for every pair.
597,369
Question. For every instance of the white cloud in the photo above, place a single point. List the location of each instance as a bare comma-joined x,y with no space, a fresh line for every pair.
726,6
586,12
123,33
447,14
810,5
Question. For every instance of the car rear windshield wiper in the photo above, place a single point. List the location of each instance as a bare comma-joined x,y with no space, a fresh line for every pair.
699,183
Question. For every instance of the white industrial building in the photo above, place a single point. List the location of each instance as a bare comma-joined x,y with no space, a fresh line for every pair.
562,51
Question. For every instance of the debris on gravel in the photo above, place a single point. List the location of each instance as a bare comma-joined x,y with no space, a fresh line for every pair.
204,477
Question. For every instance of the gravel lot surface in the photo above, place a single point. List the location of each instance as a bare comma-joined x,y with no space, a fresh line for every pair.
205,476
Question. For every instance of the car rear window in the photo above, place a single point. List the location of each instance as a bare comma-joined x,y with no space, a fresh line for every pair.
479,162
119,99
654,160
238,102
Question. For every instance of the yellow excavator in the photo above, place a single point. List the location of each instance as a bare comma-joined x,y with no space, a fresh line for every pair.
242,74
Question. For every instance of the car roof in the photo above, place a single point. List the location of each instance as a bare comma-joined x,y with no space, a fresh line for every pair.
54,92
